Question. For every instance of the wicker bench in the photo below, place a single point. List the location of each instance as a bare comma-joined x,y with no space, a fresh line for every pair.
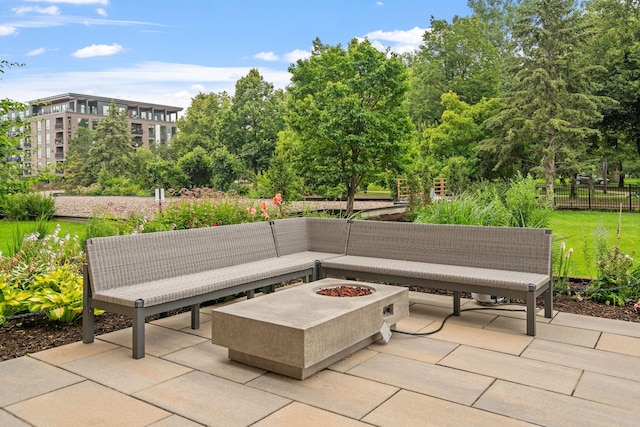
510,262
146,274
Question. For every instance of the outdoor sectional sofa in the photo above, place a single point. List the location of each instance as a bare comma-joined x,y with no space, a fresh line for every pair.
145,274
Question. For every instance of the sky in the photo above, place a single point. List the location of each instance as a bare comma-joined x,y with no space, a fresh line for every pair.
167,51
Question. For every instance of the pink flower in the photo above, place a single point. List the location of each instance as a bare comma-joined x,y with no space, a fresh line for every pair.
263,207
251,210
277,200
265,215
637,306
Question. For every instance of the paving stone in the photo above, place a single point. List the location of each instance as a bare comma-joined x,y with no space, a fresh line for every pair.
534,373
25,377
619,344
551,332
211,400
470,319
70,352
118,370
297,414
415,347
352,360
180,321
333,391
483,338
425,298
87,404
6,419
213,359
425,378
620,327
619,392
175,421
159,341
407,408
547,408
604,362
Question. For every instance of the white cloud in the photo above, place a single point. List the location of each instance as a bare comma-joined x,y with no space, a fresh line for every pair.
101,12
158,82
8,30
294,55
51,10
98,50
379,3
400,41
35,52
266,56
78,2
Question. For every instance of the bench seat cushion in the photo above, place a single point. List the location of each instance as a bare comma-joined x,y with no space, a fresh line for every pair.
486,277
172,289
312,256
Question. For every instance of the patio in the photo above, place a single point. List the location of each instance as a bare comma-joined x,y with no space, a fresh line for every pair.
481,369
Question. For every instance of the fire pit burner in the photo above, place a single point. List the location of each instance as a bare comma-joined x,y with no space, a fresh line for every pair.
345,291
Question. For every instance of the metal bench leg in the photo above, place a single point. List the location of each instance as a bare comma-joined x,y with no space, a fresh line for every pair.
138,332
88,321
456,302
195,316
531,311
548,303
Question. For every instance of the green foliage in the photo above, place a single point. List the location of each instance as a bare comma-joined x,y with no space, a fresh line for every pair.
550,106
226,168
27,206
197,213
10,172
112,149
490,205
561,268
44,274
197,167
616,279
347,111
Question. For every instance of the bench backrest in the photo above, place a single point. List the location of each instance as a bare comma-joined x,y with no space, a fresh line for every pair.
125,260
504,248
310,234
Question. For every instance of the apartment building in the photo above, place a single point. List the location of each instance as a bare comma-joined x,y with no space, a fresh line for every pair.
47,125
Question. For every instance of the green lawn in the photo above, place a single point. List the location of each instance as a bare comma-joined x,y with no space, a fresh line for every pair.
578,228
8,230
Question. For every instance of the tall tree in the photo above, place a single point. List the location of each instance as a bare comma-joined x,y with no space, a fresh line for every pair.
347,107
113,148
255,118
616,46
77,171
202,123
550,109
455,57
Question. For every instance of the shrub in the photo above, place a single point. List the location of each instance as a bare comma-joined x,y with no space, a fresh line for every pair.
27,206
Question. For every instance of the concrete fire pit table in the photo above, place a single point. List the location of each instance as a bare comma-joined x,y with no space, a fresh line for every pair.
297,332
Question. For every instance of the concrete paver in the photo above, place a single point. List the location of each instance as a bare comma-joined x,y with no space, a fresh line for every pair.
550,409
481,369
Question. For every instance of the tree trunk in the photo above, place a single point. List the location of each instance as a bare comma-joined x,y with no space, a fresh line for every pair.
351,196
549,175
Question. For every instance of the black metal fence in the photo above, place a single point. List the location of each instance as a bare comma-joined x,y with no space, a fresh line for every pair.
598,197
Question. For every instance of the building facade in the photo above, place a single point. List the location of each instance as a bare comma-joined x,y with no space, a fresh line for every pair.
47,125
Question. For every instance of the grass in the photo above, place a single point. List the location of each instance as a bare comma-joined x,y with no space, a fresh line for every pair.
8,230
578,230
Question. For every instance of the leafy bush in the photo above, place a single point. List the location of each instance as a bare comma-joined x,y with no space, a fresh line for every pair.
521,199
27,206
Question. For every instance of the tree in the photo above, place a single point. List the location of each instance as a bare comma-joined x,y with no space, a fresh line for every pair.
197,166
549,110
251,128
347,110
77,172
202,123
616,47
9,145
456,57
112,149
226,169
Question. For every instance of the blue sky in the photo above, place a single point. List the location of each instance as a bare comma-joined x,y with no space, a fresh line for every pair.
166,52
